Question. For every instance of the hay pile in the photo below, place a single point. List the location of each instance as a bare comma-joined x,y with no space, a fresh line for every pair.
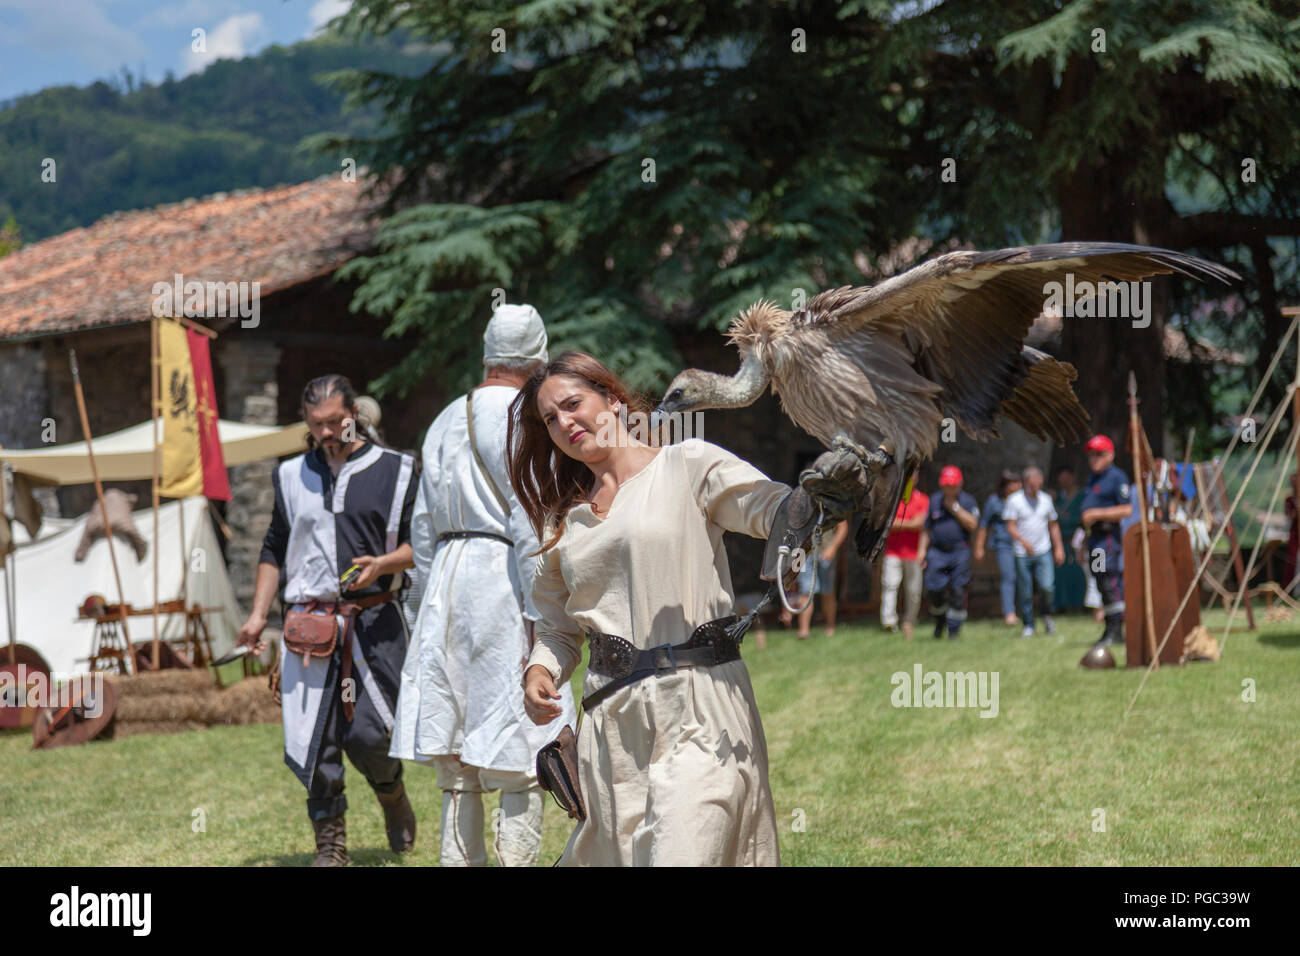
1277,614
171,701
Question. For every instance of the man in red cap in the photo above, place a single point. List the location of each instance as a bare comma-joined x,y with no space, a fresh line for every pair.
945,551
1105,504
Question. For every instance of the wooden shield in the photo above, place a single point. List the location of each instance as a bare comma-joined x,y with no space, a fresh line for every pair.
1165,596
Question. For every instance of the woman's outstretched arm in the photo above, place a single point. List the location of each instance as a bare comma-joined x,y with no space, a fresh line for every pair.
732,493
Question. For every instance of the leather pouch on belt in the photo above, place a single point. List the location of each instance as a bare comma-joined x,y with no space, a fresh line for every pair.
312,632
557,773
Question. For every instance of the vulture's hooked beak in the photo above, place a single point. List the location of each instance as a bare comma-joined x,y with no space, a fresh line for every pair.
658,417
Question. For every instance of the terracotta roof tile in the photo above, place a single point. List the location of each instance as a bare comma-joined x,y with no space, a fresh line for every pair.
103,274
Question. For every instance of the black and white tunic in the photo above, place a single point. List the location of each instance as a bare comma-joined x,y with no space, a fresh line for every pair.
320,523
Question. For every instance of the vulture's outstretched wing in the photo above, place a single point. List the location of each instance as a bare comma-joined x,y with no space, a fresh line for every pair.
964,317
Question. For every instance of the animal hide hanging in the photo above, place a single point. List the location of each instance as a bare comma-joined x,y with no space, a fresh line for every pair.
119,505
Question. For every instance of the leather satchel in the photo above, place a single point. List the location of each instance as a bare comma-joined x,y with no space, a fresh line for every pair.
311,632
557,773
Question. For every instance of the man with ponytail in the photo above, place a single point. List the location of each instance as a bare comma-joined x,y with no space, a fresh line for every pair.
337,546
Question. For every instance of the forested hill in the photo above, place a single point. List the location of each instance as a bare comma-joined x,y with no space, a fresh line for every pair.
240,123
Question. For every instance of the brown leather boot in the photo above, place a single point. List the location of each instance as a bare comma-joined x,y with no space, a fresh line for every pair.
331,842
399,819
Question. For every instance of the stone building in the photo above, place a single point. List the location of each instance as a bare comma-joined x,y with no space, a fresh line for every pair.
92,290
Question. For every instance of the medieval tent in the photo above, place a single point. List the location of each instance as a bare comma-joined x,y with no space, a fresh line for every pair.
49,585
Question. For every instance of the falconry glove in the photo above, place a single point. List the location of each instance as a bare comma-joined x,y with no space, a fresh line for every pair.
833,489
839,481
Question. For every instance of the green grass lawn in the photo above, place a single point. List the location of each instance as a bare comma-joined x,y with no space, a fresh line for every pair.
1195,776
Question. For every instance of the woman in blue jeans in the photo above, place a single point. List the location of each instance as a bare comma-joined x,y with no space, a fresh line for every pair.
993,530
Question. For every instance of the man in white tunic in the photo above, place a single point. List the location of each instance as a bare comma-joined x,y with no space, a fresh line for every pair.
460,705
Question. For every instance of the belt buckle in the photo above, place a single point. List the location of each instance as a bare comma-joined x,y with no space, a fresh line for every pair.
659,666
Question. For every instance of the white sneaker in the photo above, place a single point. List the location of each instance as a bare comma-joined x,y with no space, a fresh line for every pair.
1028,631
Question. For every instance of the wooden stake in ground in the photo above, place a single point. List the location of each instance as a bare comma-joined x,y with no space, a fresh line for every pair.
1139,482
99,494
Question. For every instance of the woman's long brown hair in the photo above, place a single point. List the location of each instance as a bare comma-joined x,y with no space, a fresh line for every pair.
546,480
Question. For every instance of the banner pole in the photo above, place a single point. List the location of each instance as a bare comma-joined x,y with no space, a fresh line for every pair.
155,373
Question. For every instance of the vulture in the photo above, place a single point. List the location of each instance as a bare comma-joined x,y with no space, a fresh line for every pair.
872,371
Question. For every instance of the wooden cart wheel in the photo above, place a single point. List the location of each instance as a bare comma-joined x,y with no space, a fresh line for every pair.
83,709
11,714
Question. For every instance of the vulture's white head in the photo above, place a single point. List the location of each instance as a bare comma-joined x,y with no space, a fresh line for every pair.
694,390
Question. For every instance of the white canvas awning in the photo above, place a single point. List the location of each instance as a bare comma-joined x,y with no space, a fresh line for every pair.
50,584
127,455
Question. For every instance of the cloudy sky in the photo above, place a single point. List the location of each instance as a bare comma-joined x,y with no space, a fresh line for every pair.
55,42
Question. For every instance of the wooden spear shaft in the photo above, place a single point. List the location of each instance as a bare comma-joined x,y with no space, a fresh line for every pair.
1135,428
99,494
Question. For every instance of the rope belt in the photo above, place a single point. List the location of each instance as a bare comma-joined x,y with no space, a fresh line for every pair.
452,535
714,642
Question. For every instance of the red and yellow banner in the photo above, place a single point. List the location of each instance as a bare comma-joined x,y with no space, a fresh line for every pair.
192,463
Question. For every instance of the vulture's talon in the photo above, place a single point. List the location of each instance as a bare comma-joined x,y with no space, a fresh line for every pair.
877,461
844,442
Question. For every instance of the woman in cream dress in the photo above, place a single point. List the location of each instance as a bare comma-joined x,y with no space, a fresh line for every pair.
673,768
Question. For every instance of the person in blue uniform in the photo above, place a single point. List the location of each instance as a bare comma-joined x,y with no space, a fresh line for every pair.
1105,504
945,551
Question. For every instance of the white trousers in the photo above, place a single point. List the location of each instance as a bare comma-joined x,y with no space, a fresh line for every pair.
907,573
517,822
1092,595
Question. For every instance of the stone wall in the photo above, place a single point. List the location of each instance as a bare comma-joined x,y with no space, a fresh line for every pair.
250,393
26,405
26,399
114,368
